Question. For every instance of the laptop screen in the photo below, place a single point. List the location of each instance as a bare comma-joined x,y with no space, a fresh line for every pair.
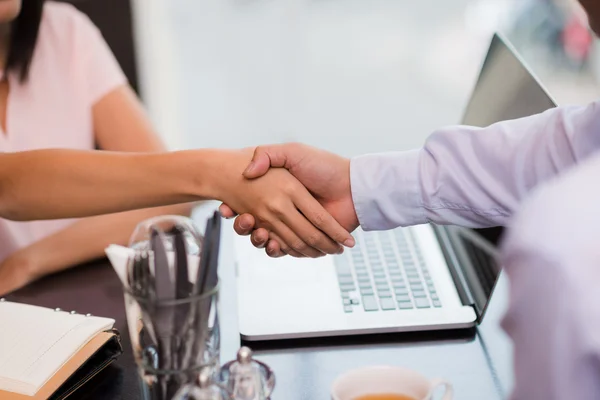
505,90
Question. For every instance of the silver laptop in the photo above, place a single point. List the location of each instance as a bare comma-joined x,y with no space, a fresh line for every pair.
409,279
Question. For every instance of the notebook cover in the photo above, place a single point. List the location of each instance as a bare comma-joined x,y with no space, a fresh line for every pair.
92,358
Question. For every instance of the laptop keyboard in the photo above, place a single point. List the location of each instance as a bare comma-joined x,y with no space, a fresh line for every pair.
385,271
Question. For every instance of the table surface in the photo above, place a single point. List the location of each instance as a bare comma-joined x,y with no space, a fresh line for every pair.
476,361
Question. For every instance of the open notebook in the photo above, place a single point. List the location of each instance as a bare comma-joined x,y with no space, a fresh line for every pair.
49,354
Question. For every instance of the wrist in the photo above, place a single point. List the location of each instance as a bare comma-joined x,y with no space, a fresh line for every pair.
355,222
220,170
199,173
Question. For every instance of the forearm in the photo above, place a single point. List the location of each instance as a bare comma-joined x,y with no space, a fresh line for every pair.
50,184
87,238
472,176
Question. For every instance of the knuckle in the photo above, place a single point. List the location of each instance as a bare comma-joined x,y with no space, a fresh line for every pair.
256,242
289,187
256,237
283,249
262,219
238,224
314,239
295,146
238,229
271,253
276,206
299,246
319,220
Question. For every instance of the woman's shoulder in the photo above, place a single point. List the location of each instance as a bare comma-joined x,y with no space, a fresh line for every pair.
59,12
72,49
64,25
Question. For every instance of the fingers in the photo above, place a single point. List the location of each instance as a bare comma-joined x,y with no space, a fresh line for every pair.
244,224
226,211
260,237
274,156
273,249
307,237
276,247
271,242
292,242
320,218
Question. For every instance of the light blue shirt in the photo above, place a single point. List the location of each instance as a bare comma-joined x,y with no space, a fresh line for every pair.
540,176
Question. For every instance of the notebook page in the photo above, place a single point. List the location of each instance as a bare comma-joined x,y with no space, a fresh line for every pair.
35,342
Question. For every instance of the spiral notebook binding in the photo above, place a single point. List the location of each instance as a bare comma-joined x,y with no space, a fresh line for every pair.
57,309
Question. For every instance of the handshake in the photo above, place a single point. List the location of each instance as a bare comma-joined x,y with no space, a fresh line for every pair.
311,212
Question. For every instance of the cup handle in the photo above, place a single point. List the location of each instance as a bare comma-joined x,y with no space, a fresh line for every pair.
448,389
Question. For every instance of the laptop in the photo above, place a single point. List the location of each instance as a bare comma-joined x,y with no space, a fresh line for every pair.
419,278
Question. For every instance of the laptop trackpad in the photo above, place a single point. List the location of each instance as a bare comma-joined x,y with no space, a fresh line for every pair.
285,286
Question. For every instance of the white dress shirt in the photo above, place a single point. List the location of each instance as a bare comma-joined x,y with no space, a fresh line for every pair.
482,177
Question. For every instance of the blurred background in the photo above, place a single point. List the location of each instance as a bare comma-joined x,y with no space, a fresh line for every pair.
352,76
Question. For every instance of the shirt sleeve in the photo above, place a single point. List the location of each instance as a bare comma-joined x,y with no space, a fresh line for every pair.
469,176
97,68
551,256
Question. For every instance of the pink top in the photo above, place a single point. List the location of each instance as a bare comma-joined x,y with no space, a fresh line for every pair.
72,68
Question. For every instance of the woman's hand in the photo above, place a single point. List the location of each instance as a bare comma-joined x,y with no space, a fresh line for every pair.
283,206
16,271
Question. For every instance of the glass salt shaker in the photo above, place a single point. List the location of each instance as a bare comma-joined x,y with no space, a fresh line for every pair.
246,378
205,390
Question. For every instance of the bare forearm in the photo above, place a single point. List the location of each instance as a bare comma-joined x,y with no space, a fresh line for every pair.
86,239
49,184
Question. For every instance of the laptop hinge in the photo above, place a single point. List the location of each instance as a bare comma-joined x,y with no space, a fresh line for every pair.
453,263
473,263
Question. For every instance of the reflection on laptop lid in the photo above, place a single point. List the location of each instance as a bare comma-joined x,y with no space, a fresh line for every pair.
505,90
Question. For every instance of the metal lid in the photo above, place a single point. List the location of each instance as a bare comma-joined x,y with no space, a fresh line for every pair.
244,355
205,378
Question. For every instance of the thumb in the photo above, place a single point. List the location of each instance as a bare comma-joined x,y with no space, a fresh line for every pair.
265,157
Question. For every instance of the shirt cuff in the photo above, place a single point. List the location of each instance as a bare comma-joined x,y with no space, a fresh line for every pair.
386,191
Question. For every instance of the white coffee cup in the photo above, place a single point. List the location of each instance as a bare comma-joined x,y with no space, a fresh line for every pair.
387,380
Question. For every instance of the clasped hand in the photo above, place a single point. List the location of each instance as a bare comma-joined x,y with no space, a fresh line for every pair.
325,178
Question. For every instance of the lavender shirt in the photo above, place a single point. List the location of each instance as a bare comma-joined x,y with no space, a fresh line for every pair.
540,176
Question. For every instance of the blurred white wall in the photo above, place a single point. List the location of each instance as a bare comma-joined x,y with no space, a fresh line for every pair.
352,76
157,60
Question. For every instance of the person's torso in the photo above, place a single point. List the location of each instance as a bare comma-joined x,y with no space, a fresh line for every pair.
46,111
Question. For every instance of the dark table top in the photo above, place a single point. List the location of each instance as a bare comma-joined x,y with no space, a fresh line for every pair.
477,361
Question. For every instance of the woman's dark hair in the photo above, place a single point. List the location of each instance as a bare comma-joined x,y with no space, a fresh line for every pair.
23,37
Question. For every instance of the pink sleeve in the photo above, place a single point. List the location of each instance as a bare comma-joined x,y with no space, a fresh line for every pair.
97,68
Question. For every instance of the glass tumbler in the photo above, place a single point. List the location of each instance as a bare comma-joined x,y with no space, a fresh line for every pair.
173,338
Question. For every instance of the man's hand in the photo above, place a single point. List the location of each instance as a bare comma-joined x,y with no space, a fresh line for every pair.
325,175
280,204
